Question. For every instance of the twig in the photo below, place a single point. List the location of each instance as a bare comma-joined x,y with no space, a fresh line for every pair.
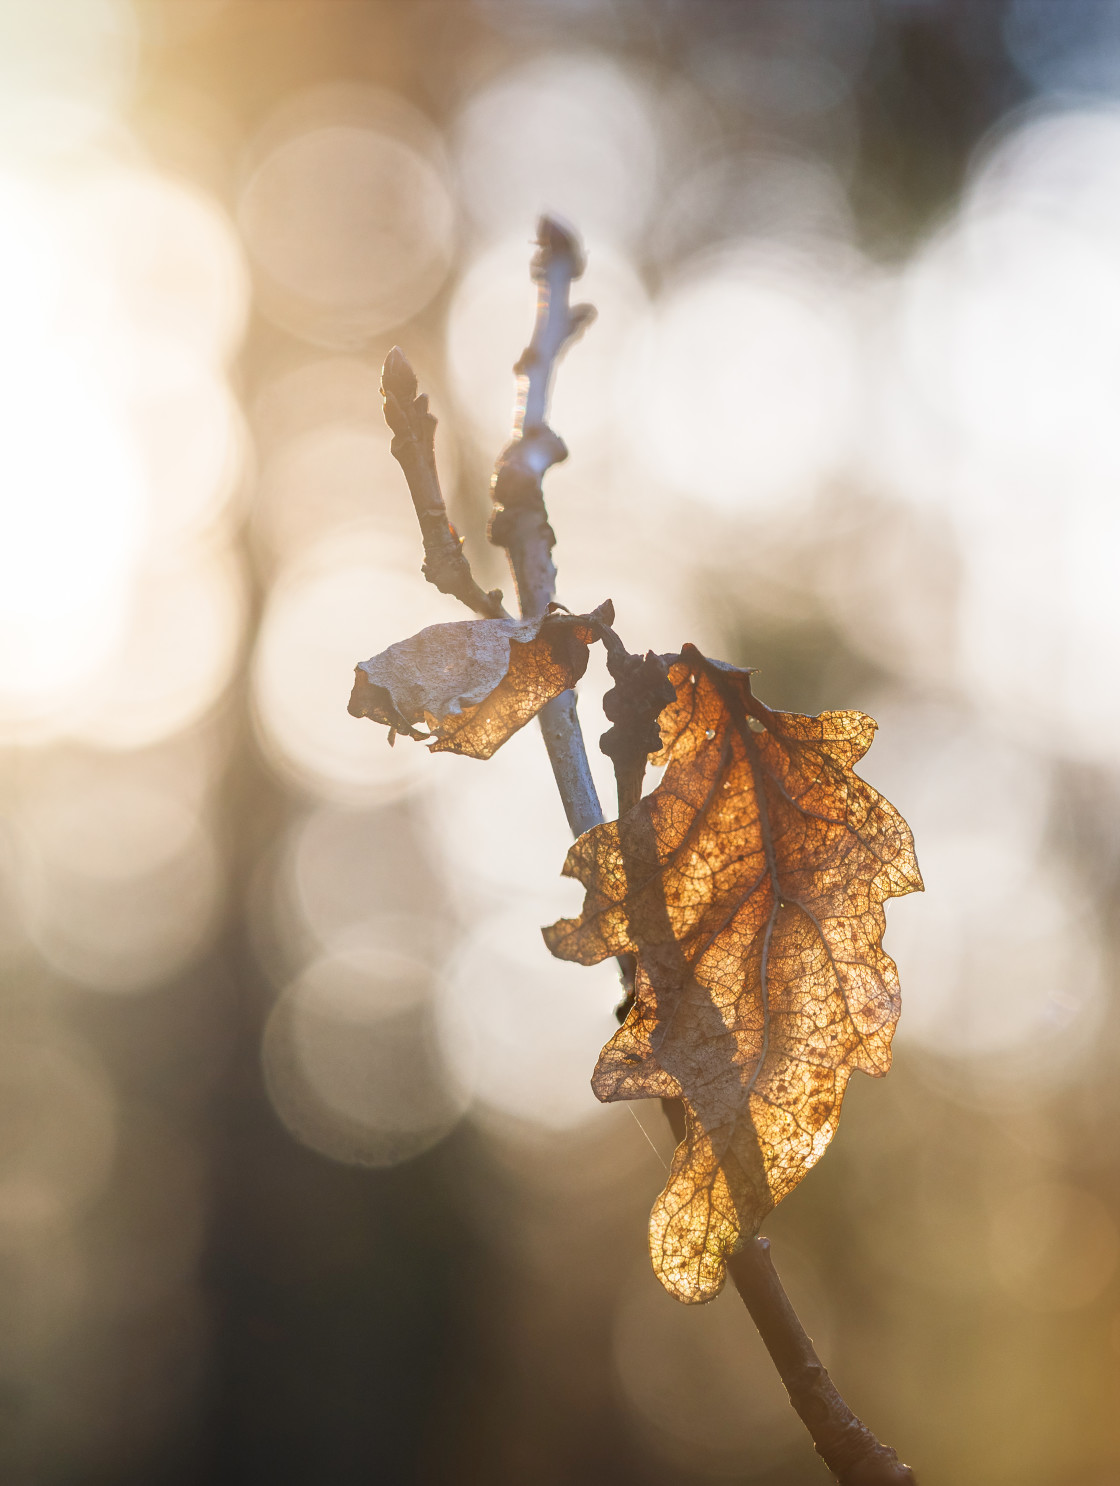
847,1446
520,524
520,521
413,447
641,691
849,1449
563,741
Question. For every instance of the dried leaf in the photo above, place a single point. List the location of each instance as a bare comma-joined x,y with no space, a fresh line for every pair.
750,884
472,684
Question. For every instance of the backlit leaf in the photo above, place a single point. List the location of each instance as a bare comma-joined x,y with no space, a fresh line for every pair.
471,684
750,884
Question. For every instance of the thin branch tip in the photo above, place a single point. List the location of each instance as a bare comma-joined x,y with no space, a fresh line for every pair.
556,240
397,377
520,521
445,563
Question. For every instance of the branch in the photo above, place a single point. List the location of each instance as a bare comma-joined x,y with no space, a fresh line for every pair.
520,524
856,1458
413,447
520,521
849,1449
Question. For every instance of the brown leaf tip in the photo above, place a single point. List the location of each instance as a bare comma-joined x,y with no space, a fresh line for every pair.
695,659
376,702
474,683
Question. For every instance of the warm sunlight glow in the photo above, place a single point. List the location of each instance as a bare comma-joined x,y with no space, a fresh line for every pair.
121,297
347,215
70,504
743,386
325,613
575,134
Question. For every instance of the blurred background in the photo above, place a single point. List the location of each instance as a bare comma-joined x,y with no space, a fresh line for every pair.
301,1179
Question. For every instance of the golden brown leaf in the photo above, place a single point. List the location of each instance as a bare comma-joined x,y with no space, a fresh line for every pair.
750,883
472,684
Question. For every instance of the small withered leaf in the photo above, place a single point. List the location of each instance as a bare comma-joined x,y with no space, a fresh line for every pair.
750,884
474,683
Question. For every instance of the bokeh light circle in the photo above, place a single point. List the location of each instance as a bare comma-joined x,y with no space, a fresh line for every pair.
523,1030
350,228
998,922
167,259
743,384
191,442
351,596
574,134
121,882
350,1062
326,478
176,656
1011,323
